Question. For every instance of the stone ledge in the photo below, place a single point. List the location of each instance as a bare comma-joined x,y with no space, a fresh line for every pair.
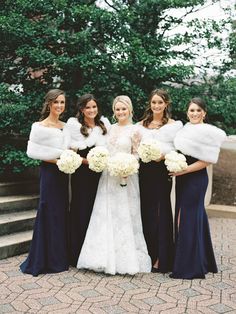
221,211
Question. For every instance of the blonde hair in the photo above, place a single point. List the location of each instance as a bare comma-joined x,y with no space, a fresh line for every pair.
126,101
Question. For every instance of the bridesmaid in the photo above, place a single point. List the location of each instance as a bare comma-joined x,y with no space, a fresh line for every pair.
48,138
200,142
87,130
155,184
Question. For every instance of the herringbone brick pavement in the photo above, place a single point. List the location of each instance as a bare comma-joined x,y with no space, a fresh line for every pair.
88,292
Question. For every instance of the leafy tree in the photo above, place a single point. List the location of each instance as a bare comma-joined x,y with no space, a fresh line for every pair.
123,47
233,43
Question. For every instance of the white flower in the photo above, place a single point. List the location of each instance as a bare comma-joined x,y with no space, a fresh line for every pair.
97,158
149,150
175,162
69,161
16,88
123,165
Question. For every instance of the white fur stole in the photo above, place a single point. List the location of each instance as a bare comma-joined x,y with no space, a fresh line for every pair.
201,141
47,143
164,135
95,137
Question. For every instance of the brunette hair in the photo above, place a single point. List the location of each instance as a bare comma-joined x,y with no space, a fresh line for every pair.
81,104
198,101
51,95
148,114
201,103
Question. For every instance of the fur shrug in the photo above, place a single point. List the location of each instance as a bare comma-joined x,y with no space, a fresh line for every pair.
79,141
164,135
201,141
47,143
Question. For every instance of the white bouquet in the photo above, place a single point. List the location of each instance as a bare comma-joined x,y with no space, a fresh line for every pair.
97,158
149,150
69,161
175,162
122,165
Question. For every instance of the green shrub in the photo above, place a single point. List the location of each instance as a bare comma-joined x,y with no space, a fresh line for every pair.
15,160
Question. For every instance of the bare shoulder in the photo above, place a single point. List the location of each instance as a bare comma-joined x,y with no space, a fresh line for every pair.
43,122
170,121
47,123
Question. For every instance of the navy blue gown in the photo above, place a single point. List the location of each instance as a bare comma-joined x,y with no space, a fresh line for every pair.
49,247
157,220
194,256
84,183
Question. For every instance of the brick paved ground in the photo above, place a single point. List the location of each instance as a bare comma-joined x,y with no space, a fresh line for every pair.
87,292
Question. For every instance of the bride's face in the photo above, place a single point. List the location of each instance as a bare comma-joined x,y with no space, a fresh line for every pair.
121,112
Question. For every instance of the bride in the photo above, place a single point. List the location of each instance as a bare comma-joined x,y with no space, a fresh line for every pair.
114,241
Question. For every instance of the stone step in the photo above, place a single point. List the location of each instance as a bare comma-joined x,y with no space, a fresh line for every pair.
16,222
15,244
221,211
19,187
17,203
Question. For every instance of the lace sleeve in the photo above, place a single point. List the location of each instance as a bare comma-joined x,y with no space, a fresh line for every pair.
136,139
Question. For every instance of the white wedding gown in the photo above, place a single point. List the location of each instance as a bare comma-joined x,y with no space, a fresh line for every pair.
114,241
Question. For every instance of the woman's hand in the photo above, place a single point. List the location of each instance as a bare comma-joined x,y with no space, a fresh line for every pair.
196,166
85,161
159,159
53,161
180,173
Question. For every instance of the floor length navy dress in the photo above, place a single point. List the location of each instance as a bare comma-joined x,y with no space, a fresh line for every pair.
49,247
194,256
155,188
84,183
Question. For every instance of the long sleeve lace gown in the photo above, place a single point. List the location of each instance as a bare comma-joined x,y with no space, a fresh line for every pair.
114,241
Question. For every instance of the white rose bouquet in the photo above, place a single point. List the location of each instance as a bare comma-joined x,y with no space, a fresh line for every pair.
69,161
149,150
98,158
175,162
122,165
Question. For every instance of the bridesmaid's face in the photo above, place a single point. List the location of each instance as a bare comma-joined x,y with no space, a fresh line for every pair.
58,105
195,113
121,112
157,105
90,111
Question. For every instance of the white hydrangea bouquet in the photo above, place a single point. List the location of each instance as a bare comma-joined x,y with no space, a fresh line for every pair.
175,162
122,165
69,161
98,158
149,150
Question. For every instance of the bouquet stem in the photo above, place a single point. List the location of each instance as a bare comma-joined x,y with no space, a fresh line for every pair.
123,181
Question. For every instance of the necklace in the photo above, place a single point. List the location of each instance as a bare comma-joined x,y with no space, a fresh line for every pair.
90,125
53,123
157,124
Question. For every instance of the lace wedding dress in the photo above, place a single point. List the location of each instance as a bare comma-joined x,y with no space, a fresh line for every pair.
114,241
